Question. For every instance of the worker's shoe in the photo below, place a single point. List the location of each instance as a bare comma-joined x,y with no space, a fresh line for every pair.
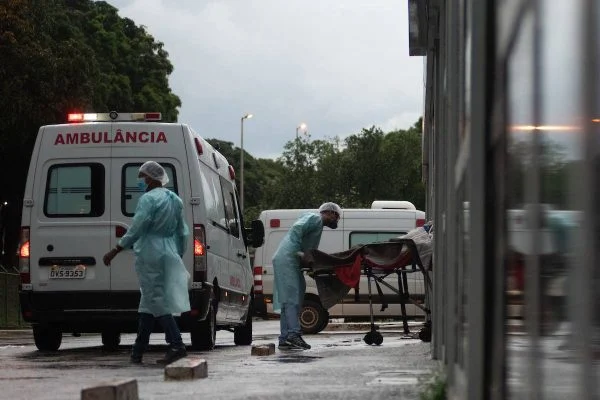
297,343
134,359
172,355
284,346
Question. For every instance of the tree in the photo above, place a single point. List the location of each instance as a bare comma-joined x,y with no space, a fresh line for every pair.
65,55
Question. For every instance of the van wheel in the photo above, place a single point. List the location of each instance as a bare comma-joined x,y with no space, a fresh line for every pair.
242,335
47,337
111,340
313,318
204,333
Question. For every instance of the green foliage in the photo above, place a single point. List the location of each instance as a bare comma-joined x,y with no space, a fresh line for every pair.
554,172
433,386
370,165
60,56
367,166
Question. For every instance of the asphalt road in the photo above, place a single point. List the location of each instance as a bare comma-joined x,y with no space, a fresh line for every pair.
339,366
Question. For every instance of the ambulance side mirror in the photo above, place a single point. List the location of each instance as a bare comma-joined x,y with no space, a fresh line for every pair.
256,233
233,227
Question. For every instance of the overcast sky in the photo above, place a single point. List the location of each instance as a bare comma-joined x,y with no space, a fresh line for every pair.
338,66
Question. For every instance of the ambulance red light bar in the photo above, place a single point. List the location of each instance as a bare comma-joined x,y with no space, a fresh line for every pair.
113,116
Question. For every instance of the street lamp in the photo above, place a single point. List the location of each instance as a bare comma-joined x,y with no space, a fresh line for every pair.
247,116
301,126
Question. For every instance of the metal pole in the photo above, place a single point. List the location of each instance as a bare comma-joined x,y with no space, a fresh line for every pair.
242,166
297,132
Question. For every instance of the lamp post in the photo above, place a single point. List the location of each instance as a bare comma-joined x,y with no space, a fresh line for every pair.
301,126
247,116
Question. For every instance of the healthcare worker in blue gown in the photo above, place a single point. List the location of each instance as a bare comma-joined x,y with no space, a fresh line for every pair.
158,235
288,292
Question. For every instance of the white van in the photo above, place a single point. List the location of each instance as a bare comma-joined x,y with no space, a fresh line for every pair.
356,226
80,198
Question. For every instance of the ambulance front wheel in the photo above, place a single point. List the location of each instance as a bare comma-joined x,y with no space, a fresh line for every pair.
242,335
204,333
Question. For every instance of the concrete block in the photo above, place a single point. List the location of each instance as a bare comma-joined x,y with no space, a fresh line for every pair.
263,349
185,369
117,390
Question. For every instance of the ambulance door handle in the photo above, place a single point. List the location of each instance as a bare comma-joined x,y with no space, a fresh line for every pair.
240,254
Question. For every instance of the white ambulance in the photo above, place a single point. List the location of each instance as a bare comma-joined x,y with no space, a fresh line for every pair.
383,221
79,200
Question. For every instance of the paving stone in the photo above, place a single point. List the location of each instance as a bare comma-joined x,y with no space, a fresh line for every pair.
263,349
185,369
117,390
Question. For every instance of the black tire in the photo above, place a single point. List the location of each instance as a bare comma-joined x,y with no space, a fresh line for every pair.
242,335
204,333
111,340
325,322
425,333
313,318
47,337
377,338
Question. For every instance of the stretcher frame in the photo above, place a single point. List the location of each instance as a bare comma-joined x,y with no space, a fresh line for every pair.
406,263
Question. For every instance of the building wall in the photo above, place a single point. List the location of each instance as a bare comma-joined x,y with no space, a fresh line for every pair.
511,150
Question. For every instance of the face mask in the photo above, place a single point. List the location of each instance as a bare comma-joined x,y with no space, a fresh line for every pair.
332,224
142,185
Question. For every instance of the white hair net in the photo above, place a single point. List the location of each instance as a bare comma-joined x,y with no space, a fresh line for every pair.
330,207
155,172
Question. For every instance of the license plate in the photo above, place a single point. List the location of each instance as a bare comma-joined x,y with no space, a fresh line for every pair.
77,272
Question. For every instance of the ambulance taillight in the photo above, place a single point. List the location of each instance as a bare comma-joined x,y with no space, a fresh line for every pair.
420,222
258,280
199,254
24,251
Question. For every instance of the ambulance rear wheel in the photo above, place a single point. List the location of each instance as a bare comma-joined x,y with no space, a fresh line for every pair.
313,318
47,337
204,333
242,335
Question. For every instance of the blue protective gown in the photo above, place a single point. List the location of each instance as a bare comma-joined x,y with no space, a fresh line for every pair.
159,238
290,285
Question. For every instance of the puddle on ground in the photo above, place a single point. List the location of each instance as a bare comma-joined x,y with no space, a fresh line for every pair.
18,378
394,377
292,359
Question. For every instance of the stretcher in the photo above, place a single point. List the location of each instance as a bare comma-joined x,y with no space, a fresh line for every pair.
335,274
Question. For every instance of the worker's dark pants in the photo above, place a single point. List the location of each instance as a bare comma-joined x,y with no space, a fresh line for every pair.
145,327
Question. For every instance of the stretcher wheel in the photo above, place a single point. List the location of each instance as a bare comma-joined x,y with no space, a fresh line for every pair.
425,333
373,337
378,339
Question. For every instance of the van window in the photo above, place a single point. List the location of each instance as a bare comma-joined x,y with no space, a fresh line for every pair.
130,193
272,242
213,196
233,219
74,190
360,238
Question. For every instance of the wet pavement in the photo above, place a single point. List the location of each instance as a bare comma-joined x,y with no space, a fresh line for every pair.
339,366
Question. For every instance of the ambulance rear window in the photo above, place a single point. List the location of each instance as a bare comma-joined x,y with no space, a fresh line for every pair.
74,190
130,193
